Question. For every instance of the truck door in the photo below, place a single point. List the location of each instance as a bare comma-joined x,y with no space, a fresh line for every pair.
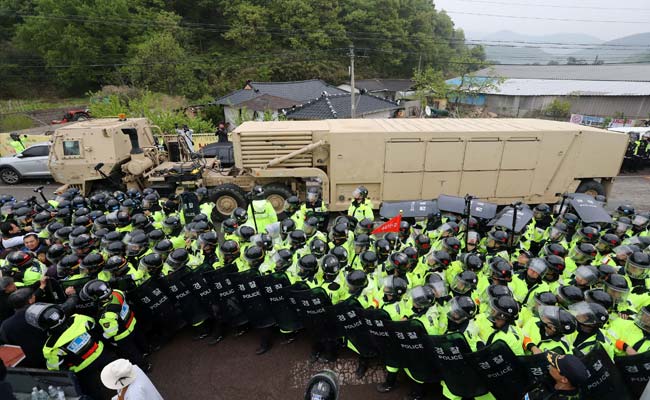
442,167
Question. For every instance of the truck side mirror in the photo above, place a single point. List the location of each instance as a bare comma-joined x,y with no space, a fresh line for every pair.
99,166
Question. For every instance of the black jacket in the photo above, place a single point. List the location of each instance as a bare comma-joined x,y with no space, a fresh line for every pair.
15,330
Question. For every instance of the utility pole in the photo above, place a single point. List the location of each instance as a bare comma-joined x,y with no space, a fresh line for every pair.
352,94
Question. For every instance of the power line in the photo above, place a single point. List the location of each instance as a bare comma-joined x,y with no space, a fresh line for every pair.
547,18
557,6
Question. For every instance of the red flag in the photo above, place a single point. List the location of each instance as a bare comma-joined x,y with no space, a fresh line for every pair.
392,225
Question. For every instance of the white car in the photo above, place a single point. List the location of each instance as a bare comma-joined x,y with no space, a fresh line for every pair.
31,163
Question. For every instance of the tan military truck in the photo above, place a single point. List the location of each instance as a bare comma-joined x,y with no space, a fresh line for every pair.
500,160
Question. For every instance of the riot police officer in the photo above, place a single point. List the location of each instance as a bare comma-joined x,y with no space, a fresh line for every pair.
361,206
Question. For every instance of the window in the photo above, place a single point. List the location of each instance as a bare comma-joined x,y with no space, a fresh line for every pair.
36,151
71,148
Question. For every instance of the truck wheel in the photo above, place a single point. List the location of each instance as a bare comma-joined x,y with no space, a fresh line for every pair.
9,176
591,187
275,194
226,198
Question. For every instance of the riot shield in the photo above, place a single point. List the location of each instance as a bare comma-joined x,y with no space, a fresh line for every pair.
190,305
635,371
456,205
374,322
225,296
199,287
536,367
310,304
152,299
347,316
589,210
604,380
89,308
506,216
500,369
274,287
255,305
456,370
413,209
190,206
413,349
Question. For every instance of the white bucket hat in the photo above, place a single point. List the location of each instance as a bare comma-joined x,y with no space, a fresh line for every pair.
118,374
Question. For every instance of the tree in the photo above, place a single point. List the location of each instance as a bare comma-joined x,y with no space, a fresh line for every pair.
469,85
429,82
558,108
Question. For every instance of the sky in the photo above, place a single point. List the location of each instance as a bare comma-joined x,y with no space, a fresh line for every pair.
624,17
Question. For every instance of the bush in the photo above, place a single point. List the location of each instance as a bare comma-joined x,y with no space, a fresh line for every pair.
558,108
15,122
162,110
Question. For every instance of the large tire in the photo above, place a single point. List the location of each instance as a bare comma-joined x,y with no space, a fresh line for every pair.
10,176
589,186
226,198
276,194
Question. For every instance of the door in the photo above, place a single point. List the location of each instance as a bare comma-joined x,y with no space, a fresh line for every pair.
33,161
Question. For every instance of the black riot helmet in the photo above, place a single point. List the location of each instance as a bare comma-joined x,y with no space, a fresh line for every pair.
202,194
412,255
364,226
368,260
394,288
318,248
451,245
55,253
464,282
599,296
229,226
240,215
471,262
45,316
356,280
504,308
541,211
404,230
116,265
607,242
341,254
163,248
155,236
422,244
116,249
382,249
310,226
557,320
339,234
308,265
254,255
399,262
567,295
283,259
391,238
229,251
177,259
172,225
68,266
501,271
291,204
331,267
257,193
97,291
138,245
461,309
92,264
297,239
555,249
152,263
246,233
438,260
422,297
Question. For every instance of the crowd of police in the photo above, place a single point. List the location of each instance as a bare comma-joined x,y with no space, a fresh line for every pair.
637,154
117,274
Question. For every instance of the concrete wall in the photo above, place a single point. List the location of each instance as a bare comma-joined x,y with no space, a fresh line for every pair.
635,107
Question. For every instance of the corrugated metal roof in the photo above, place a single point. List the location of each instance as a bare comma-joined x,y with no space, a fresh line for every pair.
550,87
297,91
608,72
338,106
378,85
